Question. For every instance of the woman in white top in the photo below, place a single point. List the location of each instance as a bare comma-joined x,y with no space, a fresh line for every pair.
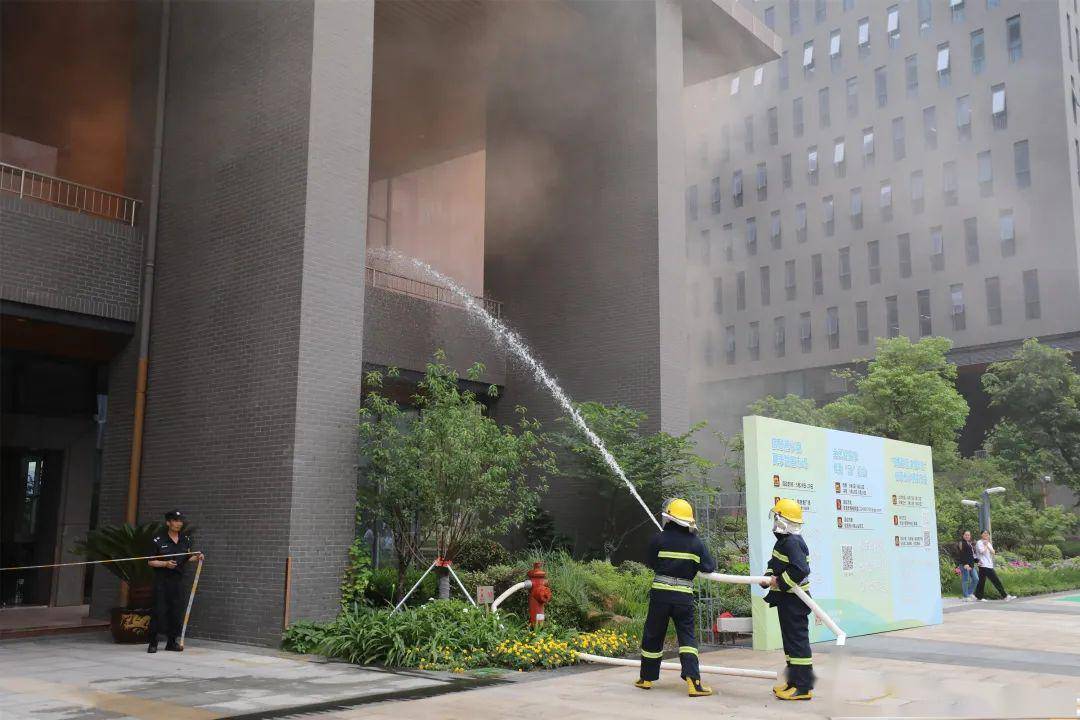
984,551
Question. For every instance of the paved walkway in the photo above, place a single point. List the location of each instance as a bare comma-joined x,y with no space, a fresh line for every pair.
988,660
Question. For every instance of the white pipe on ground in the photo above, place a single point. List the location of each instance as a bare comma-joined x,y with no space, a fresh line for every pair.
710,669
526,585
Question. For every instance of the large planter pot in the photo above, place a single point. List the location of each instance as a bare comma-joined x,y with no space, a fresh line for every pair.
141,595
129,625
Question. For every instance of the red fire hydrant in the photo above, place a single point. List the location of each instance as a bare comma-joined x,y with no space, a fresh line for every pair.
539,594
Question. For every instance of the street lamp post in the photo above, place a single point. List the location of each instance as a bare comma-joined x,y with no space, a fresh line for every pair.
1047,479
984,506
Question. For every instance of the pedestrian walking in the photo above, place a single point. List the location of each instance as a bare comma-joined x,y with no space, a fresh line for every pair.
969,576
168,611
984,551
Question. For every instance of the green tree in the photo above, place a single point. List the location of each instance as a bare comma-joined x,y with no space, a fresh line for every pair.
908,393
790,407
467,476
657,463
1037,393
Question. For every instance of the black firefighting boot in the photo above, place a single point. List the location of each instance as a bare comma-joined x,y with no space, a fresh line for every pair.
173,646
695,688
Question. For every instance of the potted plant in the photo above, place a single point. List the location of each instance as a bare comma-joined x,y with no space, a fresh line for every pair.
130,624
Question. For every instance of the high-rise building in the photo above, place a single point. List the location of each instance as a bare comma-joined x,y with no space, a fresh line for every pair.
905,168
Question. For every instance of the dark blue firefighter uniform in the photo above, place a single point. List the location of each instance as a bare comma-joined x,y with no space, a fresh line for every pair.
168,613
790,563
676,556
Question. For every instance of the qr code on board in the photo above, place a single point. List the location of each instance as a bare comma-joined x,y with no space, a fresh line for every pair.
926,538
847,558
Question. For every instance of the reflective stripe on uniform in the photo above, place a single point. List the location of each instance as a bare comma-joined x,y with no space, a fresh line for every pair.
674,555
673,588
672,580
651,655
801,661
792,583
687,649
780,556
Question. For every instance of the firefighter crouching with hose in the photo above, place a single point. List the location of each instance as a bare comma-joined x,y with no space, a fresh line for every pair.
790,566
676,556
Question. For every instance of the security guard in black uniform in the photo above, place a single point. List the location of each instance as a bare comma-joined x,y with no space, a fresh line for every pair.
168,611
790,566
676,556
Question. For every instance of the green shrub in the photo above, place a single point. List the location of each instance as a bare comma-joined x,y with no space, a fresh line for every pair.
1070,548
357,576
479,554
1046,552
1034,580
303,637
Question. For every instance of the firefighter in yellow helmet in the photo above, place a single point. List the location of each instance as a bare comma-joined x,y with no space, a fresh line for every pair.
788,567
676,556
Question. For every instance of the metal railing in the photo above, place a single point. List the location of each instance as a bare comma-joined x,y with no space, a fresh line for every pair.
425,290
64,193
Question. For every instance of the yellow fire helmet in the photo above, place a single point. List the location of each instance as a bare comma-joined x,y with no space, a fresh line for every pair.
787,516
679,511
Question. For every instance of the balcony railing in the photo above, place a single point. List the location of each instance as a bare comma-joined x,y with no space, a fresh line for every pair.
425,290
64,193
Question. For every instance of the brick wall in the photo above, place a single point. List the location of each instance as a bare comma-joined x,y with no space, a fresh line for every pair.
65,260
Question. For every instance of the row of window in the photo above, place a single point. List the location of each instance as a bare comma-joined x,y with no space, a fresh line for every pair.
935,248
943,56
957,320
998,116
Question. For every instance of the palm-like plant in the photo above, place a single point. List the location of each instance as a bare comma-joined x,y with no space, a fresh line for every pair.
112,542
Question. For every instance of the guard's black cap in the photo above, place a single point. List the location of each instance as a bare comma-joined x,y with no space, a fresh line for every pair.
174,515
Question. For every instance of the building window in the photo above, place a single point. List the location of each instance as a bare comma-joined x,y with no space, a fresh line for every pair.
963,117
717,193
718,295
852,86
903,244
706,246
885,200
1008,233
911,74
759,75
729,344
770,18
862,322
766,288
839,157
725,143
950,183
800,222
978,52
805,340
762,182
899,144
824,114
740,290
1012,38
922,299
797,117
774,230
892,25
1074,104
971,240
998,108
808,56
873,261
736,188
1076,145
881,86
959,313
832,327
790,289
772,118
751,236
812,164
834,50
993,301
782,71
856,208
944,69
986,173
918,194
692,203
868,146
892,317
729,242
828,213
819,11
817,276
1023,168
929,121
937,249
926,18
748,133
864,37
845,268
849,5
956,8
785,169
779,339
753,341
735,85
1032,310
